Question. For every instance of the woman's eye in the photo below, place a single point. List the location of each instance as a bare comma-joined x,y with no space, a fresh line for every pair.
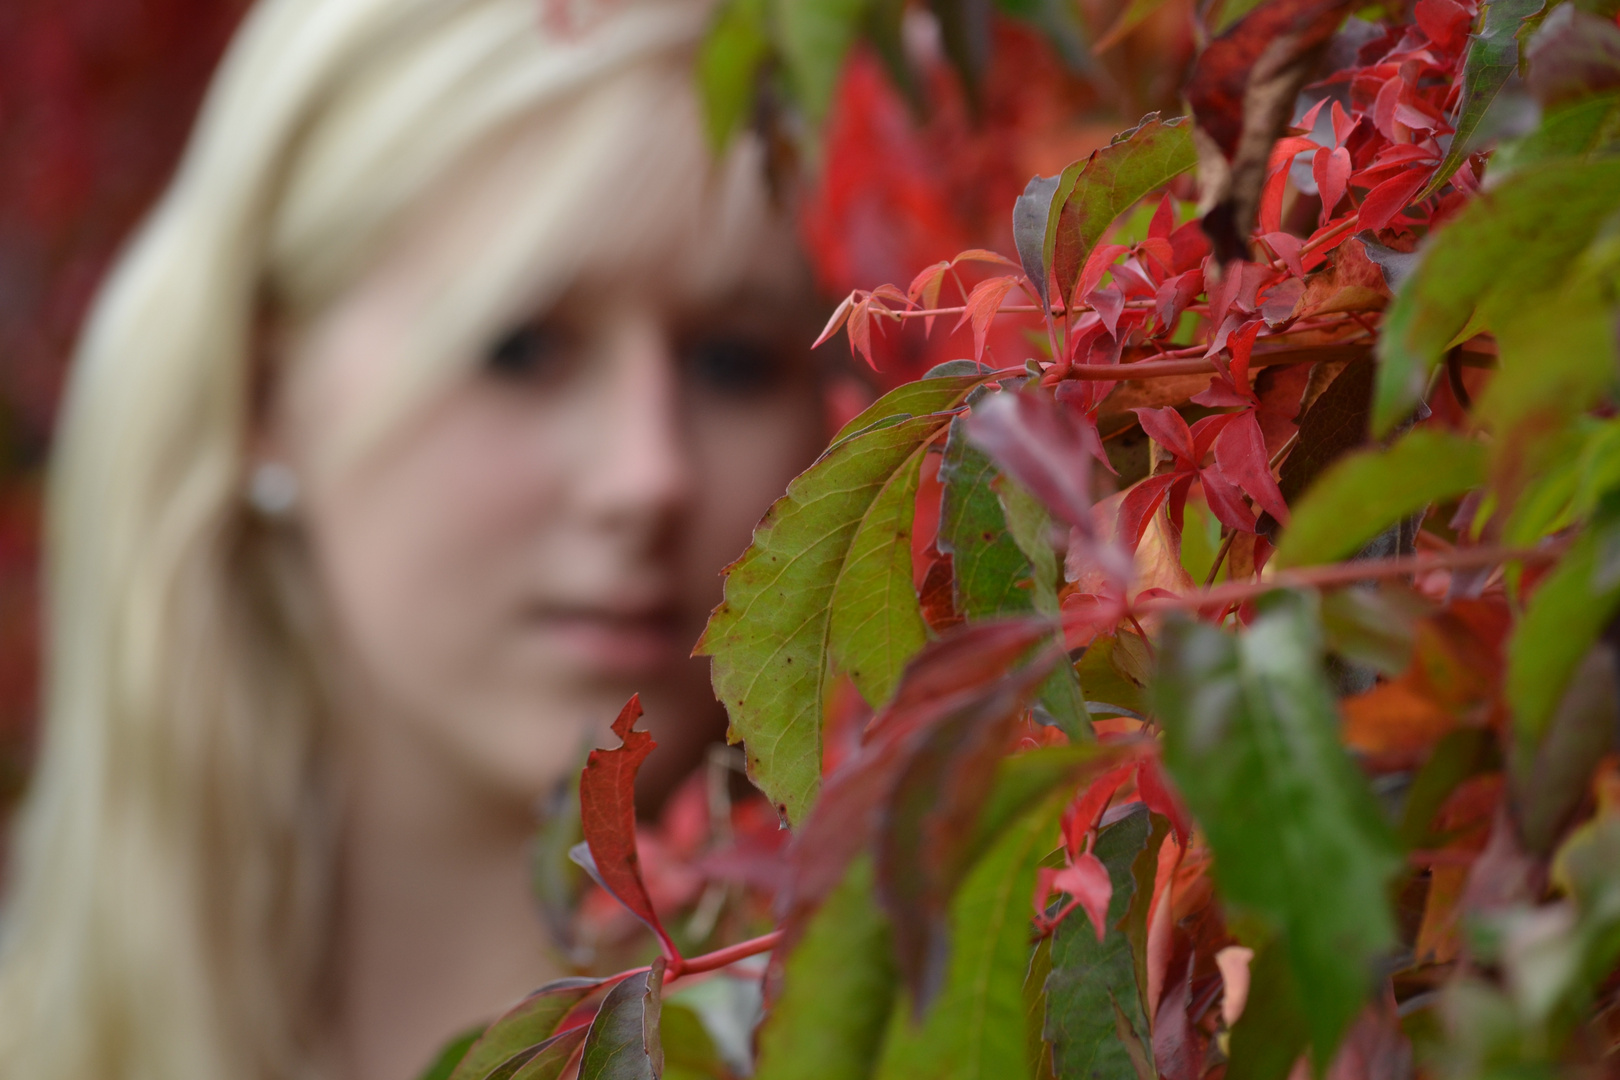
533,350
733,365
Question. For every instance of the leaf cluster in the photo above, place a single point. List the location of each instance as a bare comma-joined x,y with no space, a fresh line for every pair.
1289,746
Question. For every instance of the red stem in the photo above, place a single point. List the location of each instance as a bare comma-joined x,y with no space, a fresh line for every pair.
729,955
1345,573
679,966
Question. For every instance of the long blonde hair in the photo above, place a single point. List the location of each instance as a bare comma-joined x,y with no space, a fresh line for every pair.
170,911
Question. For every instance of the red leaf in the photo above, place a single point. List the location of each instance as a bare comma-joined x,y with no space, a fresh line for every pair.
1161,798
860,330
1287,246
1164,219
1205,431
1444,21
942,677
1167,428
1087,810
1174,296
1391,197
1190,245
984,256
607,803
982,304
1109,304
1240,452
1178,1049
1097,263
1041,446
1332,171
1226,502
924,290
1271,196
1139,504
1086,879
840,313
1242,344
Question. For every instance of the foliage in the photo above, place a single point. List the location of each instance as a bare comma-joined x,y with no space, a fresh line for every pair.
1286,741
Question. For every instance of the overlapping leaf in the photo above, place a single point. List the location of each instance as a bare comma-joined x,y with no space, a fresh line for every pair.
770,636
1366,492
1493,55
1092,193
1482,268
516,1035
1251,739
1094,1018
623,1043
838,986
974,1029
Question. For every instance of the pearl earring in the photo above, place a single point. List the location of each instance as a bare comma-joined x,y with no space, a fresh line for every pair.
272,490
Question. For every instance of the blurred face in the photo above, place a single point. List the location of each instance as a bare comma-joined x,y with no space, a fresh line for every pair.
544,537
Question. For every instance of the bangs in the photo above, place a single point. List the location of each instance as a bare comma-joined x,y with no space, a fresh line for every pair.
599,170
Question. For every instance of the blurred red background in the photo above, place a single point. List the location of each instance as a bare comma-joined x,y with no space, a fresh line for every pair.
95,100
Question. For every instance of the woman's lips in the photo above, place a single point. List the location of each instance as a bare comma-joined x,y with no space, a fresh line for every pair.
611,641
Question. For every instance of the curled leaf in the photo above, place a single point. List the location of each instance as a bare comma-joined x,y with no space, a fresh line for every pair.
607,800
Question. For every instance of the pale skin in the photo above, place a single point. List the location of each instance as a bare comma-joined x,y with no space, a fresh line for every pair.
501,571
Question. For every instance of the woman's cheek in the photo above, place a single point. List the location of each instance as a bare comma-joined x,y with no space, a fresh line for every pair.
747,455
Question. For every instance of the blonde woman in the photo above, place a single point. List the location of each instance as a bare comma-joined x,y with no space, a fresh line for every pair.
405,441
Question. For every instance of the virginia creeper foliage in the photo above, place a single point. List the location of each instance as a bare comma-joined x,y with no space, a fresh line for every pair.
1252,707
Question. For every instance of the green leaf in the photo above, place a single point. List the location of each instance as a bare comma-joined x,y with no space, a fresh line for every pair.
1026,779
838,990
1465,752
930,394
877,623
992,576
1251,738
1493,55
1556,359
1568,610
1037,1051
728,65
623,1043
814,37
1030,526
1135,14
1092,193
1365,492
1106,680
1272,1032
1228,14
1498,256
689,1050
1548,781
975,1028
524,1026
1578,130
769,636
1372,626
1092,979
450,1056
549,1059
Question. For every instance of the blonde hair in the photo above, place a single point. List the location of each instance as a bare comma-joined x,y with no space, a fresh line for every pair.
170,909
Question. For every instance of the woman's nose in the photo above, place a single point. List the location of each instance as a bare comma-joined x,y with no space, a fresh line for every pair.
642,472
